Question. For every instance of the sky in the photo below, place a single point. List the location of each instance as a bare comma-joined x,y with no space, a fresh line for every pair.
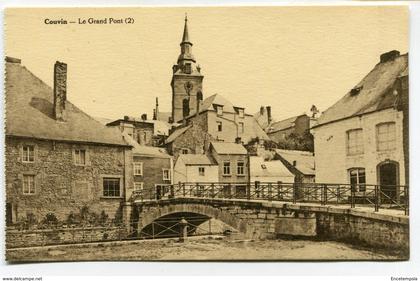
287,57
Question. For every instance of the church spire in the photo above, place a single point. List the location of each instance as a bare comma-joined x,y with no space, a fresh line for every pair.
185,36
186,46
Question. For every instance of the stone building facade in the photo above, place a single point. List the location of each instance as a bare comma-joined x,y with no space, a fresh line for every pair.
361,139
140,130
59,159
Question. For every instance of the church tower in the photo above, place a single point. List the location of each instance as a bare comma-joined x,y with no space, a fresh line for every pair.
186,80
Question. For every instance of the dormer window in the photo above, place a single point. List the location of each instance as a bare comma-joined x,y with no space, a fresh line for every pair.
188,68
356,90
241,112
219,110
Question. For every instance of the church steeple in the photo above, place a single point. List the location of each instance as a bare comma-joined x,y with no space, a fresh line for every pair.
186,79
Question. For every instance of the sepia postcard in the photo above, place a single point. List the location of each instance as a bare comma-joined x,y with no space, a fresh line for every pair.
207,133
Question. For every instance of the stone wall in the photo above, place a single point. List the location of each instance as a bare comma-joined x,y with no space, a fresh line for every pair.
195,139
372,230
61,186
30,238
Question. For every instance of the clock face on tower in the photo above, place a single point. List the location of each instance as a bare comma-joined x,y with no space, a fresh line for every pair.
188,87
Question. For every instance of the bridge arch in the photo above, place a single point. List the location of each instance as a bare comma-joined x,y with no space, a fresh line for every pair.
150,214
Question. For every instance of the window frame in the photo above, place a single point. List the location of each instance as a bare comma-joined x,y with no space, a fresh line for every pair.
202,171
28,154
358,186
378,141
219,110
105,178
359,147
136,183
219,126
241,126
169,174
228,167
185,150
240,166
136,163
29,187
76,156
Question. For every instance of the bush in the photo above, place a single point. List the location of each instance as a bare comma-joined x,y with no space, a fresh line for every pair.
50,220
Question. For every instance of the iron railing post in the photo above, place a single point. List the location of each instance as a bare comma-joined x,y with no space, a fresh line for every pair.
257,191
212,190
183,189
229,191
269,191
248,191
278,190
197,192
323,194
294,193
352,191
407,201
172,191
376,198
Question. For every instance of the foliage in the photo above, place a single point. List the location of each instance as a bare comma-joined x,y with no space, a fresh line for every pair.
294,141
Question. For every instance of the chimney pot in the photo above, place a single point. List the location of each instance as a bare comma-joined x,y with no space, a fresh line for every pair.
388,56
262,110
60,90
12,60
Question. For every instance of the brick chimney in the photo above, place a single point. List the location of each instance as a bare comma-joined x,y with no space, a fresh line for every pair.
60,90
269,114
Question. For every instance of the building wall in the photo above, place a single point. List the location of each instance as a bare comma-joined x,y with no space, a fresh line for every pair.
144,136
233,178
195,139
230,126
190,173
152,173
331,159
61,186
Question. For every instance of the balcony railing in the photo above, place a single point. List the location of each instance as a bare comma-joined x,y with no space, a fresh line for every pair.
375,196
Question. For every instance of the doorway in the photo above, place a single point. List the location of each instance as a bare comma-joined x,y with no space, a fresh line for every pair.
388,180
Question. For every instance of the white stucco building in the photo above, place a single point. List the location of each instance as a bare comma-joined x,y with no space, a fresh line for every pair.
361,138
194,168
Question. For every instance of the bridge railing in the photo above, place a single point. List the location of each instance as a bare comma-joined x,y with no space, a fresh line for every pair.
375,196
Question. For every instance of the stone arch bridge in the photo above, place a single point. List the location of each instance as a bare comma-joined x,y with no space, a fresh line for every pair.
258,219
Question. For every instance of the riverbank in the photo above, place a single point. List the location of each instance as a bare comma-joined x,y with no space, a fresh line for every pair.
203,248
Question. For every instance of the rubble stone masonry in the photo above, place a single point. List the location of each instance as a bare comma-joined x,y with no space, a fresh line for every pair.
61,186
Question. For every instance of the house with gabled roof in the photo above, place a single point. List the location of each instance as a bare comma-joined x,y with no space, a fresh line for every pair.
58,158
300,163
363,138
196,168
